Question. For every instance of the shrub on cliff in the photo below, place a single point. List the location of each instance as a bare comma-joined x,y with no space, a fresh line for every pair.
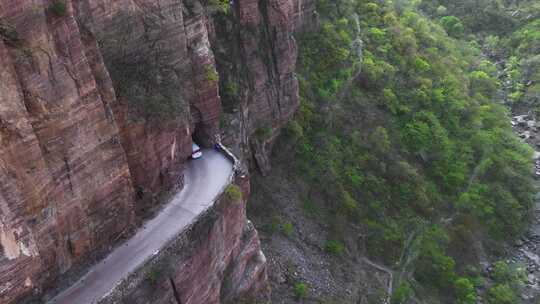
211,74
334,247
300,290
452,25
221,6
233,193
263,133
58,8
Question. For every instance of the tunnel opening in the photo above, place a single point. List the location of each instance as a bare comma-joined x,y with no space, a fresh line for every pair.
199,137
202,133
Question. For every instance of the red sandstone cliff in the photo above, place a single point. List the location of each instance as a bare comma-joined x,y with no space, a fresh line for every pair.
66,187
218,260
77,156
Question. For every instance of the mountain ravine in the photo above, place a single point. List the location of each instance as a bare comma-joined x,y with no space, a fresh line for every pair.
269,151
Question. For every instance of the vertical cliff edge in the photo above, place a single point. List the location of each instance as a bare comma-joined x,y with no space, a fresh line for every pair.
99,103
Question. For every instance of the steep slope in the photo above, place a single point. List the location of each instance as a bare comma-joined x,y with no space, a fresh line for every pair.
401,161
66,187
100,102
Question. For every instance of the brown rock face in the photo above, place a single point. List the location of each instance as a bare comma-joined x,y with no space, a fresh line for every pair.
66,189
170,41
218,260
81,141
256,55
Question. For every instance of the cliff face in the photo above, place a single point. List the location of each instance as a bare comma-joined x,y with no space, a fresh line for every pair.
217,260
168,40
80,147
66,187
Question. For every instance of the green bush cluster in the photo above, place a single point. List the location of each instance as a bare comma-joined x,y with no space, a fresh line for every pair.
221,6
301,290
263,133
58,8
334,247
153,275
508,282
409,140
211,74
233,193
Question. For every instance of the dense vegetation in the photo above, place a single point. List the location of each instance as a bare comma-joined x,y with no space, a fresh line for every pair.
510,33
400,122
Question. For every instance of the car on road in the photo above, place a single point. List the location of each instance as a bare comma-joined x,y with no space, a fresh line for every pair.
196,151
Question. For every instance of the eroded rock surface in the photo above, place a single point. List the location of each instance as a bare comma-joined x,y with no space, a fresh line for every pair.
78,155
66,188
218,260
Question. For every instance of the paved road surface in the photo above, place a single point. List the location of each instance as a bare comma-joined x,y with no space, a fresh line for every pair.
204,178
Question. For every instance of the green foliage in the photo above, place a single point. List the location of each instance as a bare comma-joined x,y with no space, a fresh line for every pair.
334,247
435,267
58,8
409,141
477,15
349,205
301,290
380,140
231,89
221,6
263,133
287,228
274,225
482,83
465,291
501,294
211,74
233,193
503,273
402,293
452,25
294,130
153,275
441,10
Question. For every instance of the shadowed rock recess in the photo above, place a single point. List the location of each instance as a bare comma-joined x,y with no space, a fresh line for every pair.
99,103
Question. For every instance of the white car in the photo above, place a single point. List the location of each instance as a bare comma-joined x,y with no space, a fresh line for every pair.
196,151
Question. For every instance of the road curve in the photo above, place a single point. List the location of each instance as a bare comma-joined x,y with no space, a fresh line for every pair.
204,178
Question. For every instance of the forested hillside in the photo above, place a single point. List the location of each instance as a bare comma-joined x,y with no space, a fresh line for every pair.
509,32
404,132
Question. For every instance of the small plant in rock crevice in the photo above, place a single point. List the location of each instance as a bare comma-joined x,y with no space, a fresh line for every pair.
221,6
153,276
211,74
233,193
333,247
287,228
300,290
58,8
263,133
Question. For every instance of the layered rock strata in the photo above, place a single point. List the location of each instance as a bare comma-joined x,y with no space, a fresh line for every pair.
80,147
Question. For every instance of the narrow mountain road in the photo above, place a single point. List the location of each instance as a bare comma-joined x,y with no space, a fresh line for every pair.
204,179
